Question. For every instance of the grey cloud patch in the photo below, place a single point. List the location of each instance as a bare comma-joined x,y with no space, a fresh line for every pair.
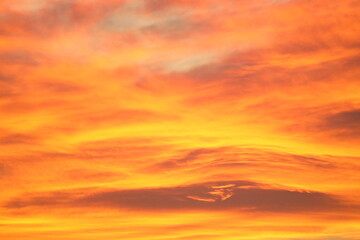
45,21
177,25
248,74
240,195
17,139
156,5
127,17
238,66
134,17
343,124
184,64
18,58
350,119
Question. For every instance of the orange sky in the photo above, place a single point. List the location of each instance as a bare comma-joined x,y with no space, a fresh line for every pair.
179,120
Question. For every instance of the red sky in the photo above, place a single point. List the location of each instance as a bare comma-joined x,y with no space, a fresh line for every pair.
179,120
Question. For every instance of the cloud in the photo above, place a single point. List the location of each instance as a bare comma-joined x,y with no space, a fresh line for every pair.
61,87
188,159
239,157
333,123
122,118
105,118
235,195
344,120
343,124
140,21
5,170
85,175
18,139
49,19
18,58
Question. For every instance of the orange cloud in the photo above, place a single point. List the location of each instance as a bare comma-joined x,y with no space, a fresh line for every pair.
164,119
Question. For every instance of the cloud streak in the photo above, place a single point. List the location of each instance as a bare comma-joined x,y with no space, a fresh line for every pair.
235,195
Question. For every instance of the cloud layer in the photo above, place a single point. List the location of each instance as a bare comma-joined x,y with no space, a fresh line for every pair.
176,119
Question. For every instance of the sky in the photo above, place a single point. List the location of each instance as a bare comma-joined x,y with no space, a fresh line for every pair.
179,120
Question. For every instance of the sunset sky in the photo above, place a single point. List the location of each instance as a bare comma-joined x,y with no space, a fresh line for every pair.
179,120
